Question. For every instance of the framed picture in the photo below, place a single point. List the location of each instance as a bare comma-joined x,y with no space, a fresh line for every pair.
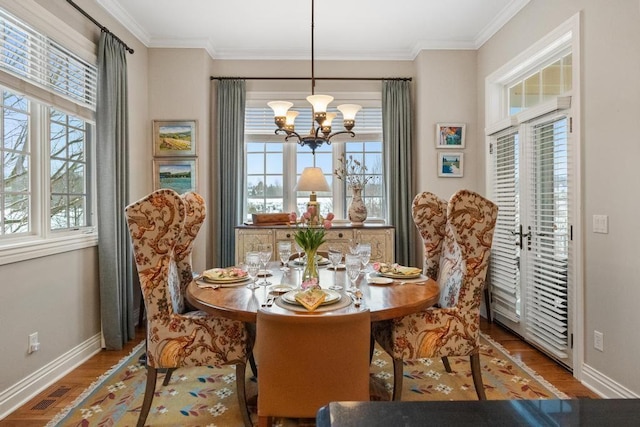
450,165
174,138
450,135
176,174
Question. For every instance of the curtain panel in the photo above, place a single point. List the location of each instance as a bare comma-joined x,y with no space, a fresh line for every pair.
229,172
396,130
112,148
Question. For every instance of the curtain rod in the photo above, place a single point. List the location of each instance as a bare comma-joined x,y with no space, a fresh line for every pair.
102,27
309,78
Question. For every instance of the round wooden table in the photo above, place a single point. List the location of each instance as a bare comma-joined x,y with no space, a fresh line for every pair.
384,301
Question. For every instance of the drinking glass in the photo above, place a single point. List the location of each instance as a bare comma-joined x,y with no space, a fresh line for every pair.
284,251
353,246
252,266
352,263
364,250
265,250
335,256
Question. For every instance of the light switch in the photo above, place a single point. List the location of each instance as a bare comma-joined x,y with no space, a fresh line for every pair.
601,224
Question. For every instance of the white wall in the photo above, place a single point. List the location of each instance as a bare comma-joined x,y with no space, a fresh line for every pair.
610,99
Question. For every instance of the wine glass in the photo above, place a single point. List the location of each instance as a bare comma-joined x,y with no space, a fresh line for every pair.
284,251
265,250
252,266
335,256
353,246
352,263
364,250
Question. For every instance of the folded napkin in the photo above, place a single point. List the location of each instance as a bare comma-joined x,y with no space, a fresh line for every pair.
311,298
230,273
397,269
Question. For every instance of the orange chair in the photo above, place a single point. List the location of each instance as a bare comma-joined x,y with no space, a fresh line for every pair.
452,329
175,339
307,361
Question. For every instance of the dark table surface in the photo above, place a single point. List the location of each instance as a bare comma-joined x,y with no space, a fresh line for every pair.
577,412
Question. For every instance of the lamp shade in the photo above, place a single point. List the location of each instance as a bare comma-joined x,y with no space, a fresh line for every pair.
319,102
291,117
349,111
312,179
280,107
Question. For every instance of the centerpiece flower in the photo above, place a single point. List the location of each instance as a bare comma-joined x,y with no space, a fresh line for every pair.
354,173
309,237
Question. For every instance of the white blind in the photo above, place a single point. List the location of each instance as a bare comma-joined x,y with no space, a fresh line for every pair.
37,66
504,272
548,257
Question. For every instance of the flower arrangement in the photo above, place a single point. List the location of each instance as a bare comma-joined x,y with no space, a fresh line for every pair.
353,172
309,238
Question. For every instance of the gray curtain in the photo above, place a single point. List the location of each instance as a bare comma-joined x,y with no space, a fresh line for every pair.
396,129
229,172
114,249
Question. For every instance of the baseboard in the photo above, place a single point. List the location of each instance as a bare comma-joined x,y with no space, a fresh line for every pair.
605,386
24,390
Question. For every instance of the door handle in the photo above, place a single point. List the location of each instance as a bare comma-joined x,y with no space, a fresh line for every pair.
522,236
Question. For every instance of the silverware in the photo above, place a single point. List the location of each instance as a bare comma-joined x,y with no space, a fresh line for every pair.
268,302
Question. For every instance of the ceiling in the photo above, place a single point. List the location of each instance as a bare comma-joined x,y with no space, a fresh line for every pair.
344,29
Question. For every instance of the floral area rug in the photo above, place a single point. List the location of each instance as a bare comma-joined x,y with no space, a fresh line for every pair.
206,396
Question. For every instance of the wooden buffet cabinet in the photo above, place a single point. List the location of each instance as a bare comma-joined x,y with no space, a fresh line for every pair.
381,237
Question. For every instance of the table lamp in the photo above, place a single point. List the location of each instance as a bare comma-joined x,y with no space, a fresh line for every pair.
312,179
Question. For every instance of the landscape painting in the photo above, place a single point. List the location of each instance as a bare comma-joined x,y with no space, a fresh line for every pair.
450,165
174,138
178,175
450,135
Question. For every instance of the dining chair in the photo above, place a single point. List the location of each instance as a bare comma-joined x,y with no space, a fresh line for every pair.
175,339
429,214
452,328
307,361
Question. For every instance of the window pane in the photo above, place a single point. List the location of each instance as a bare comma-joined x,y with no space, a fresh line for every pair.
567,80
16,172
515,99
16,128
532,91
68,179
15,214
552,81
255,163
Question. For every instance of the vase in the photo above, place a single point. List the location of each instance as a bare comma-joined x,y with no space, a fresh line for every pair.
310,275
357,208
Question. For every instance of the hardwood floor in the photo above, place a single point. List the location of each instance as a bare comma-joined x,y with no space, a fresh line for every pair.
39,410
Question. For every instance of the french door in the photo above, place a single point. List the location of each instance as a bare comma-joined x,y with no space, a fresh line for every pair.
530,275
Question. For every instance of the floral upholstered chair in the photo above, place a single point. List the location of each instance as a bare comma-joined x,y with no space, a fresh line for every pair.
430,216
175,339
453,328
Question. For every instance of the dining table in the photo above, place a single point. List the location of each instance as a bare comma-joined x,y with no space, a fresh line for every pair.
385,299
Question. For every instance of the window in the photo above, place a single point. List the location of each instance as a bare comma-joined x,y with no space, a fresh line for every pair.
46,112
269,186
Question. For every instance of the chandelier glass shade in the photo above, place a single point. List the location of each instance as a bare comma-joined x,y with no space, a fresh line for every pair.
321,130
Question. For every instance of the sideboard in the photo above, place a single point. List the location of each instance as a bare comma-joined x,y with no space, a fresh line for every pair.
381,237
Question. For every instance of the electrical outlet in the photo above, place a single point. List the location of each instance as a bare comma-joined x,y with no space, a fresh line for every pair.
598,340
34,344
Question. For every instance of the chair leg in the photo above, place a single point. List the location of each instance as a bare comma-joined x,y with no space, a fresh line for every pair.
398,372
152,374
252,363
445,362
476,373
167,376
265,421
242,395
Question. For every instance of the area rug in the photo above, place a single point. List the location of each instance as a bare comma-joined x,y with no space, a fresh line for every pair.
205,396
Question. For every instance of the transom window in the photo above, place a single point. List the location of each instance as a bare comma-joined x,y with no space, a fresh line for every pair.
270,161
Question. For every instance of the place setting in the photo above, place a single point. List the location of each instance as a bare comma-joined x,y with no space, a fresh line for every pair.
223,278
388,274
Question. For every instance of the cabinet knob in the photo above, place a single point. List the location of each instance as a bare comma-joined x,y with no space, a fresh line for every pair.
288,235
340,235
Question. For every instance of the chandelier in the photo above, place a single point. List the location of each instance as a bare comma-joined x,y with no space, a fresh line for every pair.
320,132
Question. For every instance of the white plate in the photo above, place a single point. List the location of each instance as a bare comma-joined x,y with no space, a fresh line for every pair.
400,276
330,298
376,280
280,289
